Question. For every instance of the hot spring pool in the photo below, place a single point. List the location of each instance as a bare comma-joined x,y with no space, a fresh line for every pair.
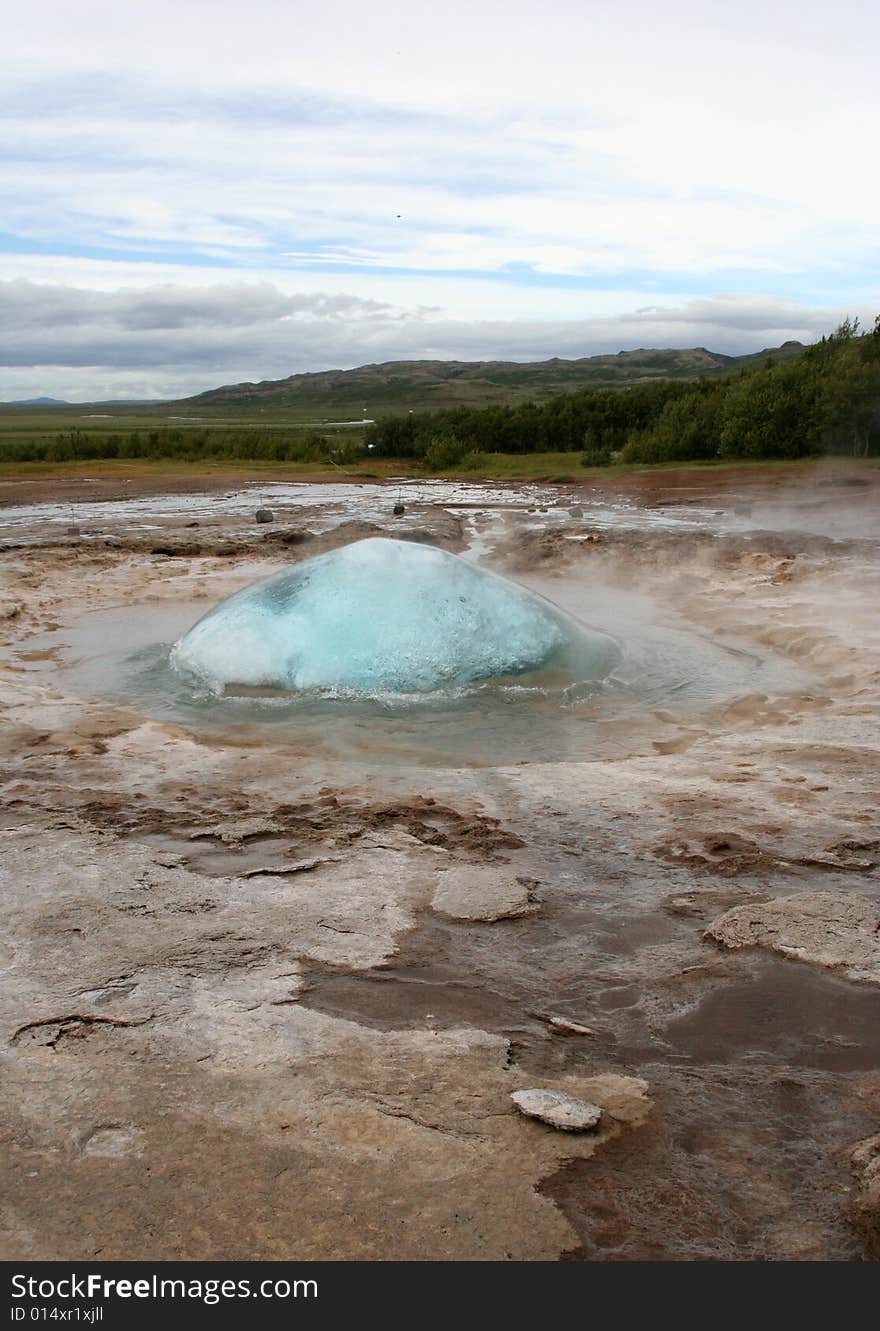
669,674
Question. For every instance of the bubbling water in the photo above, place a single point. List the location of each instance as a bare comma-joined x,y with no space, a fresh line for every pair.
389,616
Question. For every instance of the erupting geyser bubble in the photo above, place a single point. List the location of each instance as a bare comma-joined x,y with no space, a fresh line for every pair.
386,615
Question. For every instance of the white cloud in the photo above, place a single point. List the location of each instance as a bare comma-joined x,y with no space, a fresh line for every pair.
557,166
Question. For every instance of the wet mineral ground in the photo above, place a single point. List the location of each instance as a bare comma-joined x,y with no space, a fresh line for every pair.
270,973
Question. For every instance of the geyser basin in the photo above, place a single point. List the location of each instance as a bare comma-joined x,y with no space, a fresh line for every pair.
385,615
670,673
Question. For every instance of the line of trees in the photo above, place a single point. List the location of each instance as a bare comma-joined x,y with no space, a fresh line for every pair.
564,424
183,445
827,400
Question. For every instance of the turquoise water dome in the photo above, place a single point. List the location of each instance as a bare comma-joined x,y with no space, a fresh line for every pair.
385,615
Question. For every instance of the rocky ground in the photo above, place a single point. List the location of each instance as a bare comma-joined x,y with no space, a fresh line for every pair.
257,1002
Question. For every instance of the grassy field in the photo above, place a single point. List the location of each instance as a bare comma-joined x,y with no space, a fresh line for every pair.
497,466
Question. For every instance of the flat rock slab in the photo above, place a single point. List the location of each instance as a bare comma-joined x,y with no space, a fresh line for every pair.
481,892
558,1110
832,929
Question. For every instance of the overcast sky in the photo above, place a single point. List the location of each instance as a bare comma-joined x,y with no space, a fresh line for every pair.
196,193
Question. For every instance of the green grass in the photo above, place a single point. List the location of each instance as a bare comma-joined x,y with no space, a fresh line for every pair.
565,467
493,466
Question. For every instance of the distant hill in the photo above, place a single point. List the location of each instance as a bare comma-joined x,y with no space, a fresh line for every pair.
425,384
38,402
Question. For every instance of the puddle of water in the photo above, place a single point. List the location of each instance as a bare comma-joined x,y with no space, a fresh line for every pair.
786,1012
412,998
750,1167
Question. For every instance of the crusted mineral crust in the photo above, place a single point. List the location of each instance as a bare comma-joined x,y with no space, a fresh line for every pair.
482,892
836,930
